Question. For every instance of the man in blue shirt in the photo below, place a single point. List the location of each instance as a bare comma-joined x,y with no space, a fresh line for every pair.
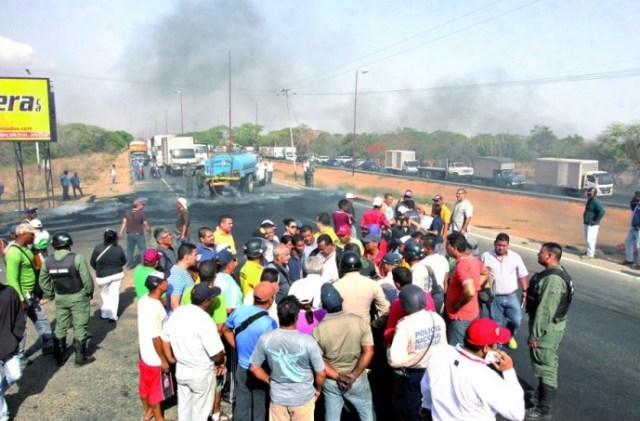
206,247
242,330
180,278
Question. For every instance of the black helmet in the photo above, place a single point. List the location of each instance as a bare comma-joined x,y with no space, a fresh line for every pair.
350,262
254,248
412,298
592,190
412,251
61,239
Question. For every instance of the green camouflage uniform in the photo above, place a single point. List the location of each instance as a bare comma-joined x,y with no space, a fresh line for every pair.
188,175
545,331
71,309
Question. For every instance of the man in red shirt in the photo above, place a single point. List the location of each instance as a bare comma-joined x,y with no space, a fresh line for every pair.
462,301
374,216
341,216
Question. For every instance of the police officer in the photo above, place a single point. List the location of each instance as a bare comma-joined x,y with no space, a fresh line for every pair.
548,298
66,275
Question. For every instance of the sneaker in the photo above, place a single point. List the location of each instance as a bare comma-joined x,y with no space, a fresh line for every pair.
512,344
626,263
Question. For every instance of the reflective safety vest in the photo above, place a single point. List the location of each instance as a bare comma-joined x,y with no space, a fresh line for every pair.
64,275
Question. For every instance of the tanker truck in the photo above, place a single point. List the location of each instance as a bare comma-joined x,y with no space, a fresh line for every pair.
238,170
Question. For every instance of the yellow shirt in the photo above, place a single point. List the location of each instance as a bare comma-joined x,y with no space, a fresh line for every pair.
445,214
332,234
250,276
224,238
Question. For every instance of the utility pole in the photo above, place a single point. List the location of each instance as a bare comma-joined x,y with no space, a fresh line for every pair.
355,114
285,92
230,140
181,113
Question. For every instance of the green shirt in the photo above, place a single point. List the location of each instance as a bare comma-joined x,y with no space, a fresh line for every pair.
139,278
20,269
217,311
79,262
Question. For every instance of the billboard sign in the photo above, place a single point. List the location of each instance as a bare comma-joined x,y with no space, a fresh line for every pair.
27,110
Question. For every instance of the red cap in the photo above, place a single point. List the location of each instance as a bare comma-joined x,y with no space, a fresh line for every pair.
344,230
485,331
150,256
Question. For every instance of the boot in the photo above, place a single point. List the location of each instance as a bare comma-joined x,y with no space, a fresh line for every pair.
81,348
543,410
59,351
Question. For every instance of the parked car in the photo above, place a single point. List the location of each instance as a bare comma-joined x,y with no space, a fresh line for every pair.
370,166
344,159
322,159
332,162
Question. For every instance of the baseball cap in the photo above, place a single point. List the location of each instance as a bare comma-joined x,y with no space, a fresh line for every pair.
404,239
408,194
150,256
330,297
36,223
25,228
377,201
402,209
31,210
391,259
264,291
153,280
138,201
485,331
371,238
183,202
202,292
304,296
437,198
349,196
224,256
343,230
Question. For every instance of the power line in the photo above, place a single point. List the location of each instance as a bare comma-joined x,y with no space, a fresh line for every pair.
497,84
406,50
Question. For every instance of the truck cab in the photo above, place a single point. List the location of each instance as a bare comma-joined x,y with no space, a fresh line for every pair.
410,167
180,158
459,169
601,181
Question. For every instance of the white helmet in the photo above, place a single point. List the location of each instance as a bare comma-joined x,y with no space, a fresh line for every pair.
36,223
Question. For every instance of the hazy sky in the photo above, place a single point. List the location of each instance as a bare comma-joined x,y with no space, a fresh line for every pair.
465,66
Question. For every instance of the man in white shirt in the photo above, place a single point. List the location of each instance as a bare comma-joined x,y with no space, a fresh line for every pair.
313,282
440,266
458,384
462,213
310,243
152,363
508,270
191,338
327,250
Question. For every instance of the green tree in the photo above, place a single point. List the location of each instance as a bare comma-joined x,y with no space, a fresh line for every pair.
542,142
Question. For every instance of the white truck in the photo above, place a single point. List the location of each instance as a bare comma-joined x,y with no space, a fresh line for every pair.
572,176
497,170
272,152
177,152
452,171
202,152
401,162
290,153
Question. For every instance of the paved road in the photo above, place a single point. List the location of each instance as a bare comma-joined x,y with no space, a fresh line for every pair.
599,360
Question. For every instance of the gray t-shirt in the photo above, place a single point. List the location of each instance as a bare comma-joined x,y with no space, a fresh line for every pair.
462,211
293,358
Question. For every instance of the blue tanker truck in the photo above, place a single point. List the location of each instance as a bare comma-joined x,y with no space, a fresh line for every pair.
238,170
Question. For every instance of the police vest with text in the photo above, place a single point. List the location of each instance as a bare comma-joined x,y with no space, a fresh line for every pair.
64,275
533,298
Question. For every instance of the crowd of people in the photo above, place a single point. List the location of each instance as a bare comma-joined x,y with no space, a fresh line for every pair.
392,315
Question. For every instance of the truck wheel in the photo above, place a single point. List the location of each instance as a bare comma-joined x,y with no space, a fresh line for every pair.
247,184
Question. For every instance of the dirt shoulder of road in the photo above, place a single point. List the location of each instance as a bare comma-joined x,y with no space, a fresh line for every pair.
534,218
95,180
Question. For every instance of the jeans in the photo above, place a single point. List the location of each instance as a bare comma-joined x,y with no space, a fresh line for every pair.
134,240
456,330
359,395
10,372
195,397
632,240
591,235
252,397
39,318
408,397
507,306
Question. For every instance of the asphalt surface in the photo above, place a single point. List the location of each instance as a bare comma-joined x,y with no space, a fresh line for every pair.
599,358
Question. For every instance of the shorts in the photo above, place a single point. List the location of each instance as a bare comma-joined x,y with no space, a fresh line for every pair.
150,386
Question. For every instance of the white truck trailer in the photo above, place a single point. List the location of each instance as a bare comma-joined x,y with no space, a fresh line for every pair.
572,176
177,152
400,162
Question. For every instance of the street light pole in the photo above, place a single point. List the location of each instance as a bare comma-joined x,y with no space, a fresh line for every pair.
181,113
355,114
